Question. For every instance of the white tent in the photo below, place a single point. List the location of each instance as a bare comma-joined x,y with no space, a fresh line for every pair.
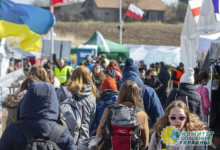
191,32
5,55
170,55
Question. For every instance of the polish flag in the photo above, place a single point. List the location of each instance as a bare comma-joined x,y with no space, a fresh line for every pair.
134,12
54,2
216,4
195,6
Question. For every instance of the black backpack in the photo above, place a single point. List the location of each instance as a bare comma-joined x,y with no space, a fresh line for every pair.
35,142
183,98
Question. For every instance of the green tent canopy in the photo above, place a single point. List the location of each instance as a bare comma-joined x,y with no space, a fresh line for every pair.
117,51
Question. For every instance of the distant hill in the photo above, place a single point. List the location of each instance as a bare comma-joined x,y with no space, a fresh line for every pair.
145,33
134,33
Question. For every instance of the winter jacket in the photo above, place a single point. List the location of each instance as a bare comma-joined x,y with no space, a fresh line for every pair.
158,87
40,109
108,98
152,103
143,121
118,75
63,93
176,75
156,144
194,99
204,93
164,77
88,101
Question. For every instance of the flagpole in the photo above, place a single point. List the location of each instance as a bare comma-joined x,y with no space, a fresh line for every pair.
51,32
120,21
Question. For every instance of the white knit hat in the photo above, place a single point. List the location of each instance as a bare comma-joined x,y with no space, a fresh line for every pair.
188,76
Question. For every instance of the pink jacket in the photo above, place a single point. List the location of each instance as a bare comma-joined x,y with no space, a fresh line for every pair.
204,93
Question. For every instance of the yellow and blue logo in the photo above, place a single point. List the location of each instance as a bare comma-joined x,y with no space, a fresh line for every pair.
170,135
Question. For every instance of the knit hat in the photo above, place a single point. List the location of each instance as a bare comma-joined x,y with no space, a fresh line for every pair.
129,65
108,84
188,76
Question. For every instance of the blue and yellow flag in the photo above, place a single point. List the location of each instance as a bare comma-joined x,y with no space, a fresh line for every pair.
25,21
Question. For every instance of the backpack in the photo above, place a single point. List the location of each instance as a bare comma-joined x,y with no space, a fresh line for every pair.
183,98
35,142
72,111
121,129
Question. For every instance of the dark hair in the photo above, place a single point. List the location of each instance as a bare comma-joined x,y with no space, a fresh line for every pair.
149,70
202,75
196,70
181,64
162,64
141,70
152,65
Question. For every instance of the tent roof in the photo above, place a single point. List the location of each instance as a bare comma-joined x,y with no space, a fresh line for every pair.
113,46
207,24
28,53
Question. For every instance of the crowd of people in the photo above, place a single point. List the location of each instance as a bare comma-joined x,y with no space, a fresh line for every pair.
86,98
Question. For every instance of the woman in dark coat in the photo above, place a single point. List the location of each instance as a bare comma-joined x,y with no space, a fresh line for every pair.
187,88
40,109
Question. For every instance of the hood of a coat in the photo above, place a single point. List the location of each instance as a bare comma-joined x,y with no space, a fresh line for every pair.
40,102
190,90
83,95
129,73
108,94
187,86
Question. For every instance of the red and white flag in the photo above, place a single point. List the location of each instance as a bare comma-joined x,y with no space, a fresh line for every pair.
134,12
195,6
54,2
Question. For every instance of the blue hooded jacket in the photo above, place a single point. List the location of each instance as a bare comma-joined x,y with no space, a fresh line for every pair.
108,98
152,103
40,109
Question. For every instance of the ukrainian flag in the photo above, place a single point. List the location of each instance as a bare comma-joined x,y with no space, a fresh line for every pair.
25,21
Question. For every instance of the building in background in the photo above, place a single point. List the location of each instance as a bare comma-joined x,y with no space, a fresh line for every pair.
102,10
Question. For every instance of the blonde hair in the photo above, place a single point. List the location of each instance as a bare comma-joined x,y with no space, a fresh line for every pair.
192,121
51,77
39,72
78,79
129,92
